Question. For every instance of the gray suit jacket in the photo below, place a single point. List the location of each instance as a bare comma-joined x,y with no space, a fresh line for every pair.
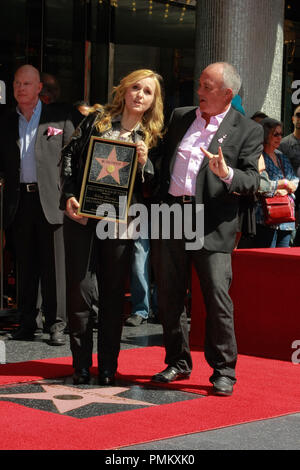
48,157
241,140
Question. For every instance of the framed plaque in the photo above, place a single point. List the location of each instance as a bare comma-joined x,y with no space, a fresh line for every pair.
108,179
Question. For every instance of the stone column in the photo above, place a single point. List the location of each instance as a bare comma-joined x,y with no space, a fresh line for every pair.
249,35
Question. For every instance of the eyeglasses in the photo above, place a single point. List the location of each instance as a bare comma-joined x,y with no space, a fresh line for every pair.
297,115
277,134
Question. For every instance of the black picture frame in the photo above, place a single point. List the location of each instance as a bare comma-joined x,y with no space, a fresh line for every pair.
108,180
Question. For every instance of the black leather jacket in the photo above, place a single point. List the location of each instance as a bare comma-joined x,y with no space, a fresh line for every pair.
74,157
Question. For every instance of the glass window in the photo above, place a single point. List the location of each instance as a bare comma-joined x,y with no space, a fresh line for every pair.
63,46
90,45
157,35
12,40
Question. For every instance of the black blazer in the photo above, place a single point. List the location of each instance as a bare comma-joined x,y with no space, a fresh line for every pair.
74,157
241,140
48,157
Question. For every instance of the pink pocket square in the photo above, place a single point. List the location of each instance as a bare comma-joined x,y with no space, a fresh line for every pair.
53,131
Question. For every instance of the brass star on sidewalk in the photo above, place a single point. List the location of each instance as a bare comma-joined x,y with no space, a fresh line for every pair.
111,166
67,398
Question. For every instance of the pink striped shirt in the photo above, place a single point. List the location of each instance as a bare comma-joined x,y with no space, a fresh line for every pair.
189,157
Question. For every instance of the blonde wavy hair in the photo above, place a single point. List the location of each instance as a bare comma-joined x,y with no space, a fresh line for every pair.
152,120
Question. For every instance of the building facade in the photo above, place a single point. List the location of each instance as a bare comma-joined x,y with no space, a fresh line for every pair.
90,44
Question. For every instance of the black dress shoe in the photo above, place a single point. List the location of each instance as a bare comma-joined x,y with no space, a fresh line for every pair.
169,375
81,376
21,334
57,338
106,378
223,386
135,320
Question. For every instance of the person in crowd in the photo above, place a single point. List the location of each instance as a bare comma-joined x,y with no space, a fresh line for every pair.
135,115
50,92
290,147
140,286
83,107
247,221
283,180
247,207
237,104
32,137
211,153
258,116
142,289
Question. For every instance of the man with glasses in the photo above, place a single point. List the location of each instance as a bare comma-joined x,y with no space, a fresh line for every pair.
290,146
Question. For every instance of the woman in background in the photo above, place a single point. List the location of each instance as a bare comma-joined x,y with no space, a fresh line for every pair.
282,180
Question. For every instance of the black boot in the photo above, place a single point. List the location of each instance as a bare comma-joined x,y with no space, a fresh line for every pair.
81,376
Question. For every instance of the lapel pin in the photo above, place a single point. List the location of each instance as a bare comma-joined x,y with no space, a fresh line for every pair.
220,140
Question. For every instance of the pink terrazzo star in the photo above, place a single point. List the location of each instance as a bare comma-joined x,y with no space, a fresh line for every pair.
67,398
111,166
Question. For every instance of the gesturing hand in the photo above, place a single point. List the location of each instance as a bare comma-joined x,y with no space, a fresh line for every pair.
217,163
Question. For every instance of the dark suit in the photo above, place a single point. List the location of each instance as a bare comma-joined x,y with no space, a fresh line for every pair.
34,217
241,142
87,255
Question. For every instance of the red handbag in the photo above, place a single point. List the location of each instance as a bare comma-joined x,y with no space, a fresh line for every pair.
278,209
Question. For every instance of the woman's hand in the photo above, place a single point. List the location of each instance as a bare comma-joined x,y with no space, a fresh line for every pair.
72,208
142,152
291,187
281,192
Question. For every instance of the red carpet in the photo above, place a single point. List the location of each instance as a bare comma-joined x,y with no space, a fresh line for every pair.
265,389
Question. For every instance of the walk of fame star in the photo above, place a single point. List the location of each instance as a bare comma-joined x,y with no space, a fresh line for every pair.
111,166
67,398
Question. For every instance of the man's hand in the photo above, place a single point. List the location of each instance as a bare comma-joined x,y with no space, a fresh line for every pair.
217,163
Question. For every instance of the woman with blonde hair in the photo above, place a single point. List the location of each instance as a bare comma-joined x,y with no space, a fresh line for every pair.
135,115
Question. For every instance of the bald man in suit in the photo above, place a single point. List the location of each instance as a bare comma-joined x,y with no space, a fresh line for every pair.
32,137
210,153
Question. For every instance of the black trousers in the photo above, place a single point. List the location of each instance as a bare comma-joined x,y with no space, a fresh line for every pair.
82,291
40,261
171,264
97,272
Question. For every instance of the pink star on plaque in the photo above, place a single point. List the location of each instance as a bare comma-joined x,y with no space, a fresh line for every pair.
67,398
111,166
